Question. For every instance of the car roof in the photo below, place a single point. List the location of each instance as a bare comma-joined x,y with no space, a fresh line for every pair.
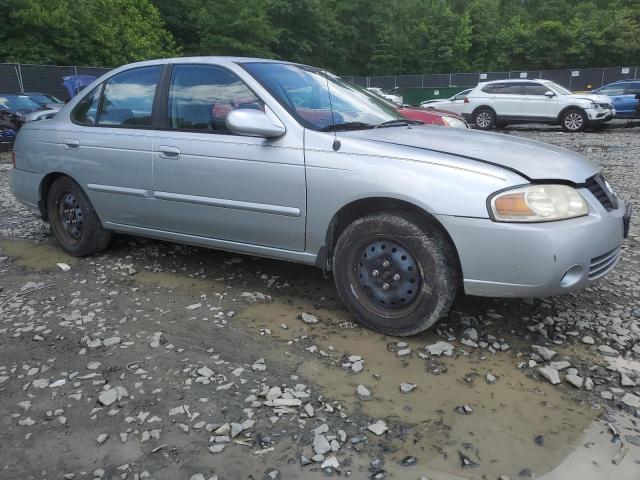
514,80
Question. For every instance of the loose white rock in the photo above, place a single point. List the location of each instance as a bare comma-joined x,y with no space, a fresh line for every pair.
550,374
378,428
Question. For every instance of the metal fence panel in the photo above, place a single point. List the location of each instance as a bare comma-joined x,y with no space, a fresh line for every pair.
611,75
386,82
561,77
9,81
586,79
409,81
464,79
525,74
95,71
362,81
45,78
489,76
436,80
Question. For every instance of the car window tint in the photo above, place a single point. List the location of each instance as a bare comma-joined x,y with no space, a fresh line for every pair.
632,88
616,89
504,89
85,111
488,89
534,89
201,96
128,97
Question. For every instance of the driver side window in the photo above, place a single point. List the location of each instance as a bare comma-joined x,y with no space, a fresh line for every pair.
201,97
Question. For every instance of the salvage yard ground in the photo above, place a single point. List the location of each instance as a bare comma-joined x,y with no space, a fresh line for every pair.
156,360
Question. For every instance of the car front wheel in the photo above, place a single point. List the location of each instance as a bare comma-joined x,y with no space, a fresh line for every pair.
574,120
73,221
395,273
484,119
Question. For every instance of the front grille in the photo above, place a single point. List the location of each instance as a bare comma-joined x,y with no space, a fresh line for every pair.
597,186
601,265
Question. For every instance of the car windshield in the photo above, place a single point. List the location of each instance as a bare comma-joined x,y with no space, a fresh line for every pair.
558,88
17,102
322,101
44,98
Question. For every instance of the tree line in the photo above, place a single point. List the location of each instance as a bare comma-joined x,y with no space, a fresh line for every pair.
349,37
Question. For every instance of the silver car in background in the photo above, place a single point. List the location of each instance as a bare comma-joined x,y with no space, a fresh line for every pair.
287,161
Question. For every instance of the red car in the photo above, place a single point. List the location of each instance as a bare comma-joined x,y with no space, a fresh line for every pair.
432,116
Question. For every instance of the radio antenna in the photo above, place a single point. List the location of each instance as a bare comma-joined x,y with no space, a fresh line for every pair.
336,142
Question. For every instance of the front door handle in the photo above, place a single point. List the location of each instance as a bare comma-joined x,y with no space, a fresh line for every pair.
171,153
71,143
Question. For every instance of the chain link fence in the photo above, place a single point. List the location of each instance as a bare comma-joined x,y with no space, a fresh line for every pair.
573,79
20,77
16,77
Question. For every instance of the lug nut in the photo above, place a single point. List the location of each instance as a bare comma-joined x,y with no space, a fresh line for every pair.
385,264
396,277
385,286
375,273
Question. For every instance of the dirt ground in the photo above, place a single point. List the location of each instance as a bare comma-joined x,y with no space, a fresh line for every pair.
165,361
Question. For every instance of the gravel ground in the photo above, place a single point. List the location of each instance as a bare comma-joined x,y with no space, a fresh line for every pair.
156,360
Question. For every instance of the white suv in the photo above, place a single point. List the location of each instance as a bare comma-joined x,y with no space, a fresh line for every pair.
502,102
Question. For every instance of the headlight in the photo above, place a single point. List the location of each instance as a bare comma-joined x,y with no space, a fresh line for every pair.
537,203
454,122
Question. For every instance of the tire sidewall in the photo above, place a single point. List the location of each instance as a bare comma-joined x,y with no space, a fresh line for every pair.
570,111
437,286
92,228
491,114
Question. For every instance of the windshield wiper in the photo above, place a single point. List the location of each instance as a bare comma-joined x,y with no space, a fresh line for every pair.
346,126
399,122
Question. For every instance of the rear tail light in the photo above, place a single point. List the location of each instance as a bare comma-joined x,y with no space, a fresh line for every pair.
13,158
466,100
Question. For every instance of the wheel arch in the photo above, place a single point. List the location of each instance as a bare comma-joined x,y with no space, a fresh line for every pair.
366,206
571,107
484,106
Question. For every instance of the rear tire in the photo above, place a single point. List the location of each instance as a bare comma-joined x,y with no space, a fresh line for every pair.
395,273
574,120
484,118
73,221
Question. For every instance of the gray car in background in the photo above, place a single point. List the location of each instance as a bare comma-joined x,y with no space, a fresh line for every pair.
287,161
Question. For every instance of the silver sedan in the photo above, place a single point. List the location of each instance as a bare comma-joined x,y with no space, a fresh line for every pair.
287,161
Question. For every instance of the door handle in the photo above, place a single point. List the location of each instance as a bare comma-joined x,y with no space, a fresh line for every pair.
171,153
71,144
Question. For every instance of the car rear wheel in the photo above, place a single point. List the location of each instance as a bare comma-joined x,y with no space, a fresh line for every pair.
574,120
484,118
394,273
73,221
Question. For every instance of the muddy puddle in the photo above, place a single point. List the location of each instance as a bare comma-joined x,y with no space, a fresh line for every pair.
36,256
179,282
499,434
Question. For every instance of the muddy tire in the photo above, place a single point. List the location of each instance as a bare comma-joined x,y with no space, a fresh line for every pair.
396,273
574,120
73,221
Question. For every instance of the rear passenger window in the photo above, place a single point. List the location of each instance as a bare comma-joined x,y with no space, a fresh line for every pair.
201,96
86,110
128,97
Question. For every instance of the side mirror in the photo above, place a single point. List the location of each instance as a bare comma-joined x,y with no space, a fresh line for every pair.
253,123
549,94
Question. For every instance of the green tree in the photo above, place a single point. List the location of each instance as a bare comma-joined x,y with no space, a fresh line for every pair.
83,32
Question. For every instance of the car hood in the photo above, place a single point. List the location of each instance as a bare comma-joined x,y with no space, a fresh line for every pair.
592,96
533,160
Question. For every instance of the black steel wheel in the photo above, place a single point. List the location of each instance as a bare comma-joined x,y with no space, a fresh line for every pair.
73,221
395,272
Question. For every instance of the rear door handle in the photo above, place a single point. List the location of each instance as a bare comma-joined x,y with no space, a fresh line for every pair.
171,153
71,143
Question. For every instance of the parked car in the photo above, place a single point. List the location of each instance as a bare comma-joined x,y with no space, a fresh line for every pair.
10,123
286,161
624,96
397,99
428,117
504,102
45,100
454,104
74,84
